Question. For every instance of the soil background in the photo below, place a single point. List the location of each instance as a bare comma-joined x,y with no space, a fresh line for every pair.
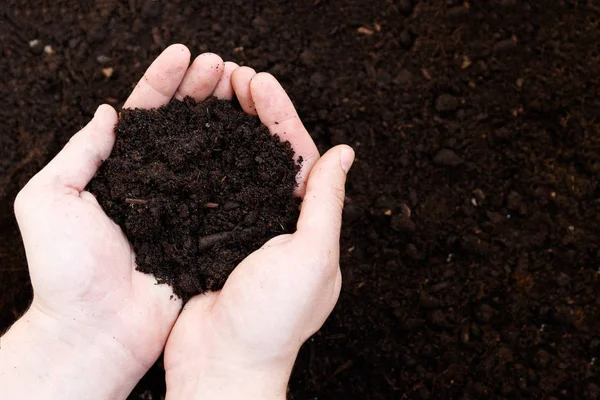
470,245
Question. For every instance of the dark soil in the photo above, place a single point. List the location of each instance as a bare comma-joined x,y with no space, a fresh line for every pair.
470,250
197,187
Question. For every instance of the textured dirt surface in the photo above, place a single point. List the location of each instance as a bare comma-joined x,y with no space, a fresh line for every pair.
197,187
470,246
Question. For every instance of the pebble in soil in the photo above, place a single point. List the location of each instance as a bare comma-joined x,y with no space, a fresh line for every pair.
197,187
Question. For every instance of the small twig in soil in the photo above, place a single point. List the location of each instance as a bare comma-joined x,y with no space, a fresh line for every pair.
135,201
211,205
209,241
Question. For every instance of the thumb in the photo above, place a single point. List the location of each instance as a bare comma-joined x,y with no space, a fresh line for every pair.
79,160
321,215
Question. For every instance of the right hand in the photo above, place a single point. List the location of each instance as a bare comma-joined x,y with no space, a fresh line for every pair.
242,341
95,320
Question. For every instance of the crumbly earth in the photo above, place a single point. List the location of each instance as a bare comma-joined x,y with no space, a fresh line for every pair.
197,187
462,114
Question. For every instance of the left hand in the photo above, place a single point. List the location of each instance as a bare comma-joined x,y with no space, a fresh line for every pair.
96,323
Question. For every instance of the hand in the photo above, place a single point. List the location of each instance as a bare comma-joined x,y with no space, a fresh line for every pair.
242,342
96,324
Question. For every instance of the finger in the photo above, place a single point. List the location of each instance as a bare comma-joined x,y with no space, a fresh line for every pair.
201,77
321,215
161,80
79,160
224,90
240,80
276,111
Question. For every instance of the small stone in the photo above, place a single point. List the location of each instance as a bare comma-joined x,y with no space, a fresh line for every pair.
505,46
108,72
479,196
102,59
48,50
448,158
402,224
36,46
446,103
405,210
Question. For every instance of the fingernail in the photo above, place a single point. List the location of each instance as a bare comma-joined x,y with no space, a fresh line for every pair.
347,158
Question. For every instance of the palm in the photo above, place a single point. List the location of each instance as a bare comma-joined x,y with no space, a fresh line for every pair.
95,255
262,307
87,273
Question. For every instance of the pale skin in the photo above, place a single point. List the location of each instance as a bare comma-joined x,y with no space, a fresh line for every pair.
96,325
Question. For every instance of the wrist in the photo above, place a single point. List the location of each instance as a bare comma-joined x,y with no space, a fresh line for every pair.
43,357
222,379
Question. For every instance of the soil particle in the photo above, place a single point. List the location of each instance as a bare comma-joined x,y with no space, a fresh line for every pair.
541,359
151,9
484,313
402,224
447,157
457,12
592,392
404,77
406,39
478,197
446,103
405,6
505,46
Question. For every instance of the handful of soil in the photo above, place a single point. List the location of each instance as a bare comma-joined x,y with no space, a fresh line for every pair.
197,187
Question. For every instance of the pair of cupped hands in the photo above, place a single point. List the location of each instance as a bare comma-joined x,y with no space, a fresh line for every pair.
96,325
